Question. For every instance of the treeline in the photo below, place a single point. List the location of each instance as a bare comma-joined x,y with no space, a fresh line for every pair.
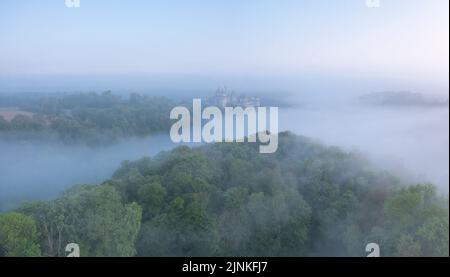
87,118
229,200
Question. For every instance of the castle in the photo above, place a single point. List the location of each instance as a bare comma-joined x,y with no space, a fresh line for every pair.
224,98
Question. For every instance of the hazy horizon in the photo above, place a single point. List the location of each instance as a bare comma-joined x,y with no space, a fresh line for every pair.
247,45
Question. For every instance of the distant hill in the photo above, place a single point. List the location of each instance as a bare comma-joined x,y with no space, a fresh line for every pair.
400,98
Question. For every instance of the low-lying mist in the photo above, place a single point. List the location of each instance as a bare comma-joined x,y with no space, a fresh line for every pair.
31,171
410,142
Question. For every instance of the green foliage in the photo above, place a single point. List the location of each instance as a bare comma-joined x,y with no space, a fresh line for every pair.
229,200
99,221
18,236
417,222
86,118
93,217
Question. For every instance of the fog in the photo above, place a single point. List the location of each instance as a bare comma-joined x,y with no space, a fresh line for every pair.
31,171
410,142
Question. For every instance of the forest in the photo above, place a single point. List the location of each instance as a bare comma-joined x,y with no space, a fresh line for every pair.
83,118
227,199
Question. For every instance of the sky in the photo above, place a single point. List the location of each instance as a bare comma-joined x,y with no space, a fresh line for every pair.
401,39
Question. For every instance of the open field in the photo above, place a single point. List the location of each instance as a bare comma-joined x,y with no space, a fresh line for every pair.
9,114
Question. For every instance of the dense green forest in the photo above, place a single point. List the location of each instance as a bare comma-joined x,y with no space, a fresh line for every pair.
229,200
87,118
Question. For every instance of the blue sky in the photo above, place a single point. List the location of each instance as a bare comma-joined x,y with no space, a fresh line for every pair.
401,38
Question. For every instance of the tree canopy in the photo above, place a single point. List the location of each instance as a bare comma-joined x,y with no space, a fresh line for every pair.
18,236
85,118
227,199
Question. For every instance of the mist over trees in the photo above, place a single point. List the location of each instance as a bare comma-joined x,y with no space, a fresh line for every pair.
92,216
228,200
84,118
